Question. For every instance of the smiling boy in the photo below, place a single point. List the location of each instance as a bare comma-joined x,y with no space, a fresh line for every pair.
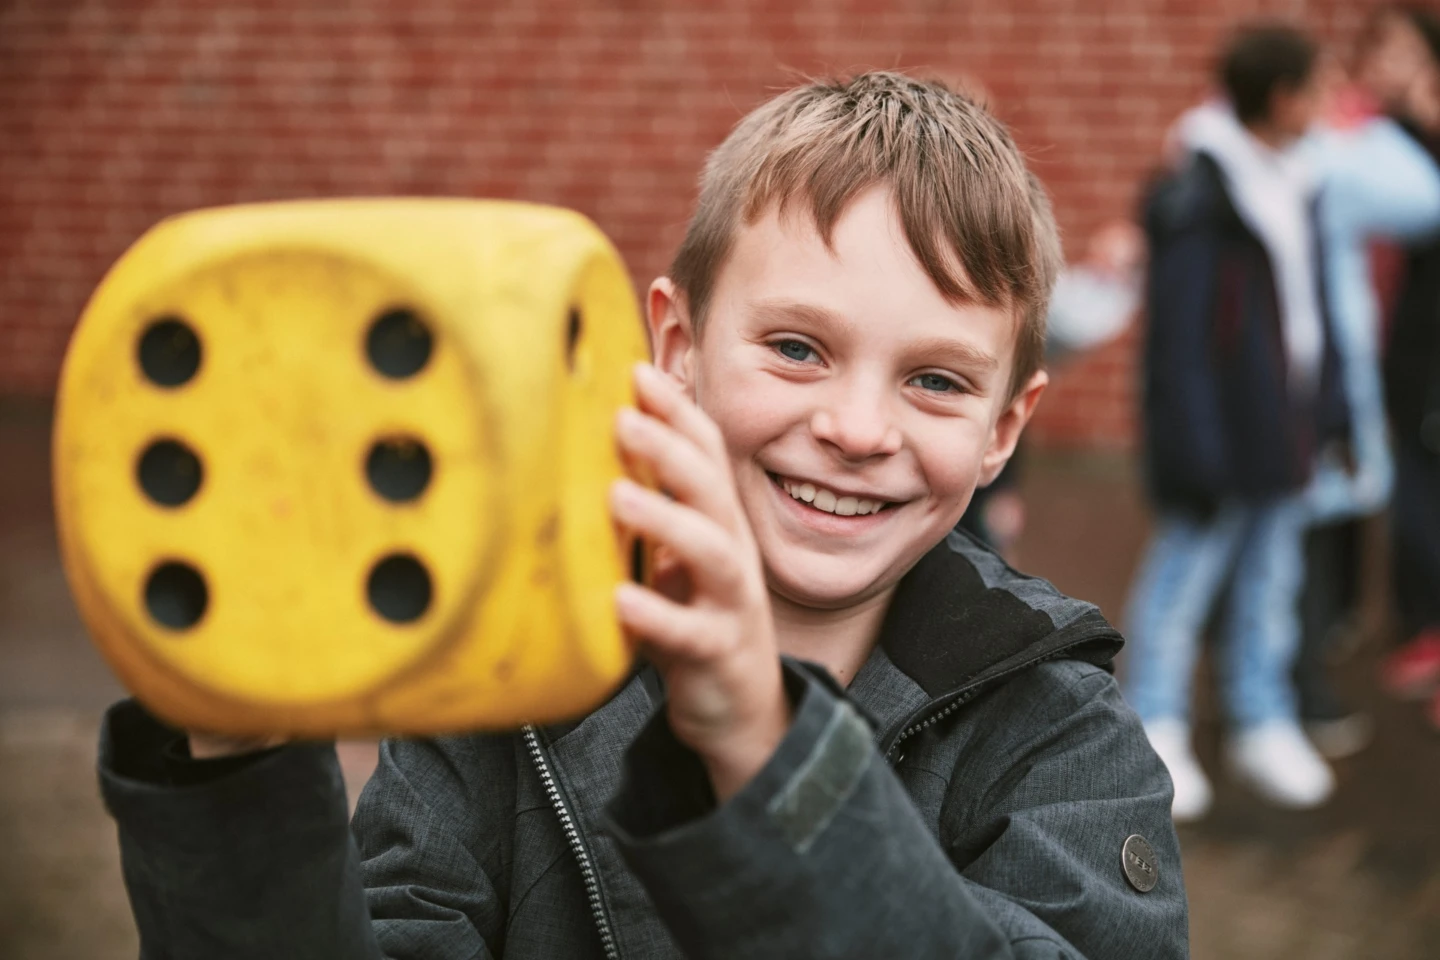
860,734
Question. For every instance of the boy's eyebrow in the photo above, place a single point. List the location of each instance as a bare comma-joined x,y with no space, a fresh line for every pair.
780,309
961,354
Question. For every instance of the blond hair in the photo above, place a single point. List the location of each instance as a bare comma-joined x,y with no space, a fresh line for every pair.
978,221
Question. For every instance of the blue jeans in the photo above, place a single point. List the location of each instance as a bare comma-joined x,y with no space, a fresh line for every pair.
1187,565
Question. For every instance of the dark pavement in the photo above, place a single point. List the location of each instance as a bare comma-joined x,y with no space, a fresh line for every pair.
1358,879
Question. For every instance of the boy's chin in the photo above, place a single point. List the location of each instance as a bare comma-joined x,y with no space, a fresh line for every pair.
826,583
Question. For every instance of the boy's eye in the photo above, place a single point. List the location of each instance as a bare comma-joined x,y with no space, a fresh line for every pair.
935,382
795,350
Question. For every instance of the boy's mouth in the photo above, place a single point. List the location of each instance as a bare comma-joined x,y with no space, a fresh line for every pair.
828,501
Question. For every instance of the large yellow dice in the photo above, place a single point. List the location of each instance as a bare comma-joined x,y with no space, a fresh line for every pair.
340,467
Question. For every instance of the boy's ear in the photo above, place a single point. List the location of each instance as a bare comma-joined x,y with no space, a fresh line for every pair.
671,336
1006,432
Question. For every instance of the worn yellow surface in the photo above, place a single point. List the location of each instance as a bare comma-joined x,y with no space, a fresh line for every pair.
515,411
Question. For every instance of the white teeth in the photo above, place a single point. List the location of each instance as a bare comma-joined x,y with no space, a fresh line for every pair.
830,502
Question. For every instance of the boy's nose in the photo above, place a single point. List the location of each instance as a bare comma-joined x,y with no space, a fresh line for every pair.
857,425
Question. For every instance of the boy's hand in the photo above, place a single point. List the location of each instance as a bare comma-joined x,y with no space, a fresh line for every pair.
707,627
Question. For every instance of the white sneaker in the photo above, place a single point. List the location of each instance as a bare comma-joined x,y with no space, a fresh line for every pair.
1171,740
1280,764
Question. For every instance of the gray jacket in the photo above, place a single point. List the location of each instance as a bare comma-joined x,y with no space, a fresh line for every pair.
968,796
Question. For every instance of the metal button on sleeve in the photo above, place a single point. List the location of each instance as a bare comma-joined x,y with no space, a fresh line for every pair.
1141,866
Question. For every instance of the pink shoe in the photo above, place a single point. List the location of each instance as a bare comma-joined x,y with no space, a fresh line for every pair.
1413,671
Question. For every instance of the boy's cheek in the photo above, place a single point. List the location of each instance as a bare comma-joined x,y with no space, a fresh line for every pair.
954,460
748,426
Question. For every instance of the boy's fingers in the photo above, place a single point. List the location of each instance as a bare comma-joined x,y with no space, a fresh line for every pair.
680,467
705,548
669,628
664,399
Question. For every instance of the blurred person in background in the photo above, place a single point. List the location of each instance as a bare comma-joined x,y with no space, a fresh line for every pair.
1377,183
1241,386
1412,393
1094,301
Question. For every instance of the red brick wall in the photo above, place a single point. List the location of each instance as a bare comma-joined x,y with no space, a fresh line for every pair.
114,113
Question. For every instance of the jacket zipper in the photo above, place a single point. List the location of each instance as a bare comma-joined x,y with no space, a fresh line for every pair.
934,718
577,843
965,694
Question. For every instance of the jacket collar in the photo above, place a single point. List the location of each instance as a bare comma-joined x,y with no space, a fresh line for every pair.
962,619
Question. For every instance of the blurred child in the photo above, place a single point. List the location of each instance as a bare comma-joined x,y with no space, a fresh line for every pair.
1377,184
1241,386
1095,300
1412,388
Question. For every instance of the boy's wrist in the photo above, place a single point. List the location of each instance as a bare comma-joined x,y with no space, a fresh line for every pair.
734,762
206,746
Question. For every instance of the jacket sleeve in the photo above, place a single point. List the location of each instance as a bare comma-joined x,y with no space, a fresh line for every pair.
1185,291
1379,182
259,861
1042,843
823,854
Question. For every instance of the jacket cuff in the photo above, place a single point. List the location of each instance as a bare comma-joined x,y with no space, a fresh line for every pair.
252,860
707,867
164,800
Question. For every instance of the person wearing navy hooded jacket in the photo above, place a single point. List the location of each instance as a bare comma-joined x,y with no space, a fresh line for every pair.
1242,389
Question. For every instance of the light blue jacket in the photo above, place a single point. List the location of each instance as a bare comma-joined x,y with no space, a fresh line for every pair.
1376,182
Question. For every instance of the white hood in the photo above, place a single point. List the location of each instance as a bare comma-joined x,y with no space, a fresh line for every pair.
1272,190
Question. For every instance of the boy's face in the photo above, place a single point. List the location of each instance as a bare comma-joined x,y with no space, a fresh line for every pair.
1294,110
842,380
1393,61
